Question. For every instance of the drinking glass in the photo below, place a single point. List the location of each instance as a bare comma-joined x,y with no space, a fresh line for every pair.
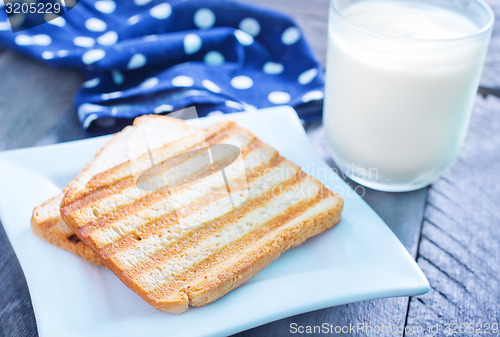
401,78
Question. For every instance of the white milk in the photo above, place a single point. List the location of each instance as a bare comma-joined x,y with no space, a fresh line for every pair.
396,104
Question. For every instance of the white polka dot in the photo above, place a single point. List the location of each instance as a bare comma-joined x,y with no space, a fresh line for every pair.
62,53
106,122
241,82
250,26
41,40
84,41
150,83
92,83
152,37
233,104
249,107
47,55
134,19
182,81
93,55
108,39
111,95
307,76
87,108
136,61
214,58
95,25
290,36
54,20
272,68
163,108
211,86
312,96
118,77
204,18
105,6
161,11
215,113
4,25
141,2
23,40
243,38
278,97
88,120
192,43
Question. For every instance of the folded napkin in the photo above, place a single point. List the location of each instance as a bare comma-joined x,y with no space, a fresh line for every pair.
147,56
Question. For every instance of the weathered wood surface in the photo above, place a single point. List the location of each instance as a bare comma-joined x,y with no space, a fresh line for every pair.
460,247
459,244
32,92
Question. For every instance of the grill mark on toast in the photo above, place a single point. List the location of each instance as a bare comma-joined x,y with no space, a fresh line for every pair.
122,211
236,231
97,185
163,274
178,227
132,208
144,202
210,228
164,220
216,132
120,185
112,191
207,269
99,194
241,259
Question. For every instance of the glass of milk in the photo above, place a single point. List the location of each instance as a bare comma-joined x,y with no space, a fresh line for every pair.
401,78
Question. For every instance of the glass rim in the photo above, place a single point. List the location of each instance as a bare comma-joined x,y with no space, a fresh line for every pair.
481,31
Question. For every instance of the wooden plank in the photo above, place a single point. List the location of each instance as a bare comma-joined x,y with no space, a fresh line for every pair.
371,313
491,78
460,247
16,313
65,129
33,97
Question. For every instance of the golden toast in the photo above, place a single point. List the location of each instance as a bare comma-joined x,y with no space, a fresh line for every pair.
185,237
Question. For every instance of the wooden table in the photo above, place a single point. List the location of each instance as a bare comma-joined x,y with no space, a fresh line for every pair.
451,228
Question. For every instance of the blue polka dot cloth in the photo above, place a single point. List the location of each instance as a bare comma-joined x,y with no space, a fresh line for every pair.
147,56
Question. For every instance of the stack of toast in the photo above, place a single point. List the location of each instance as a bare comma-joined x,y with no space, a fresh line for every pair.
180,216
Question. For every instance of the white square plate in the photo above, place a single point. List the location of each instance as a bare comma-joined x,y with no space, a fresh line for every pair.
359,259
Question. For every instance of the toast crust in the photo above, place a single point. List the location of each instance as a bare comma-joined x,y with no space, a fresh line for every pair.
139,235
56,232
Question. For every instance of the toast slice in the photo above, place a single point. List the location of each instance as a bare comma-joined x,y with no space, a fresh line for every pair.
197,237
46,221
